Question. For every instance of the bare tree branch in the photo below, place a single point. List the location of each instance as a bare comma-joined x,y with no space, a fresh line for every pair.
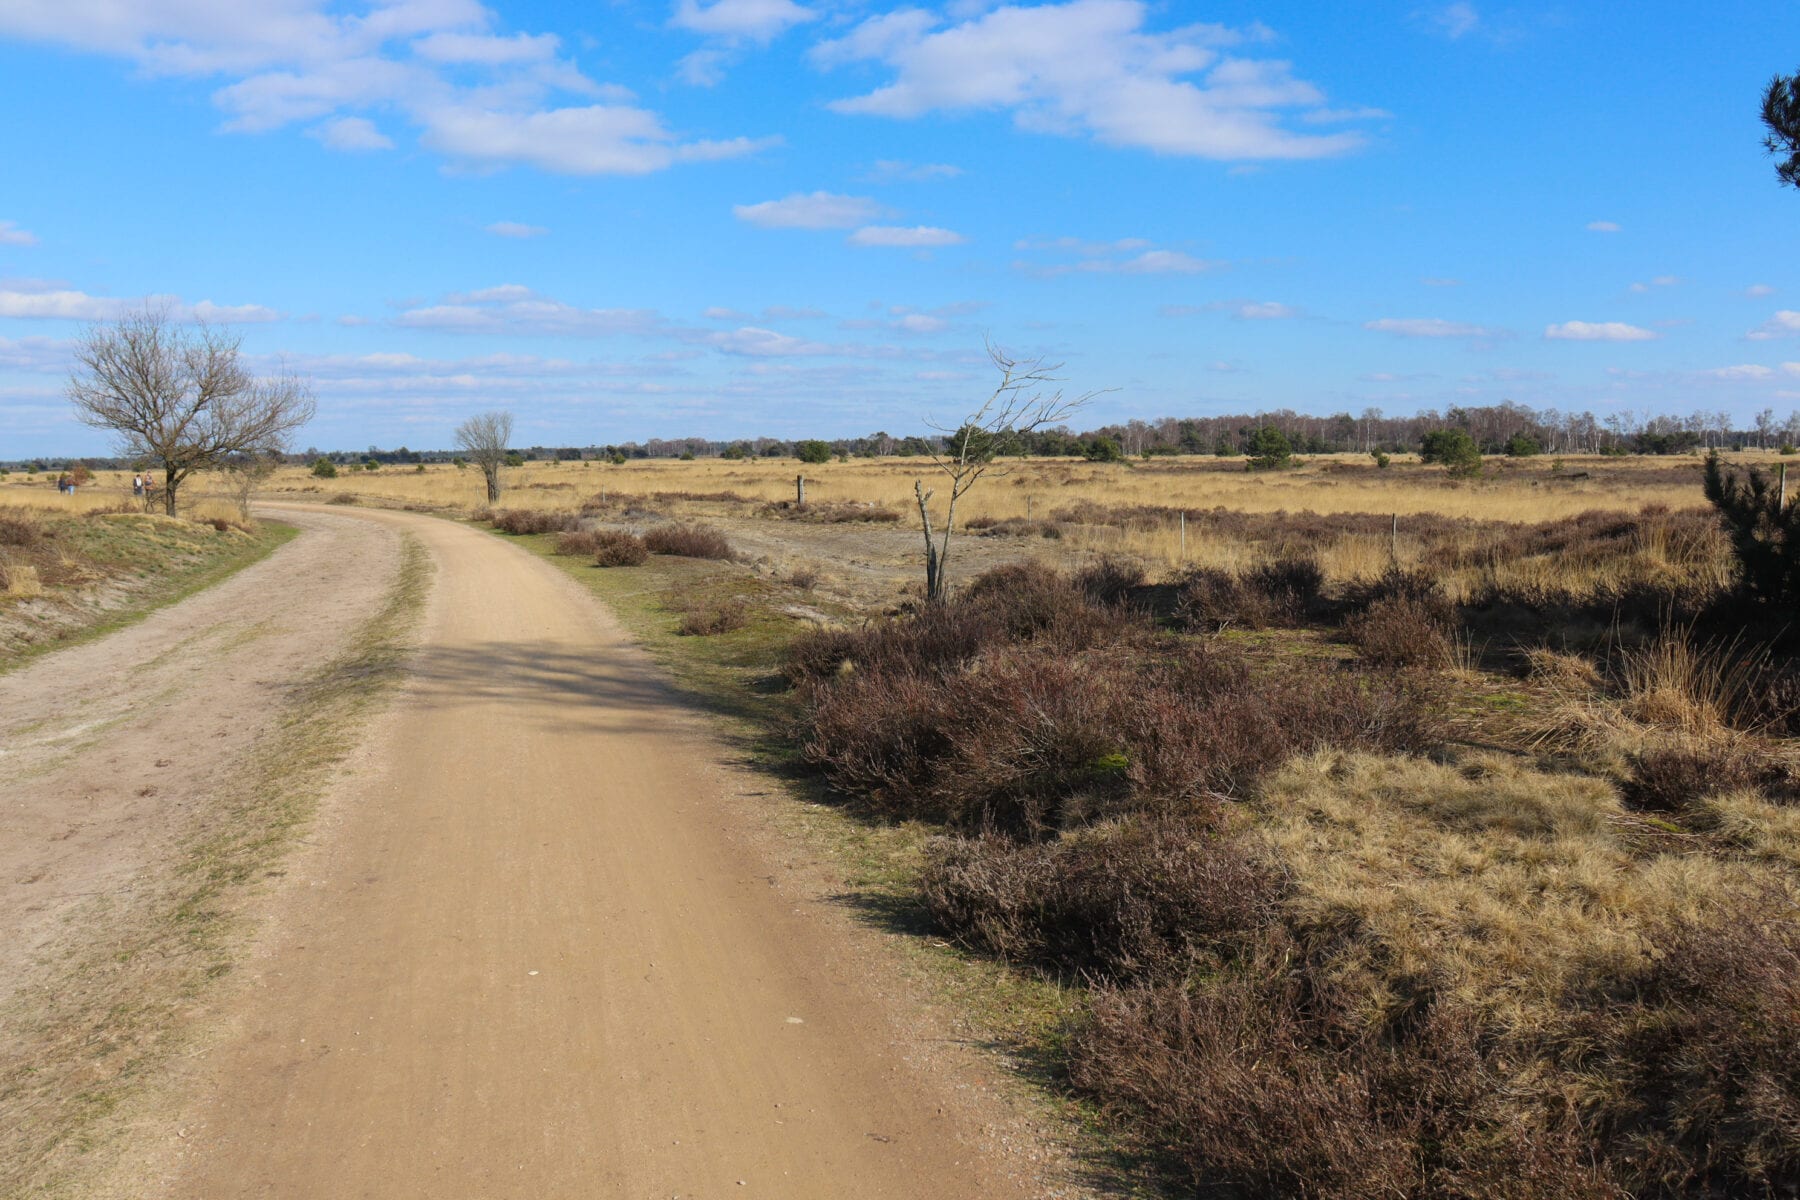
1023,401
180,397
485,437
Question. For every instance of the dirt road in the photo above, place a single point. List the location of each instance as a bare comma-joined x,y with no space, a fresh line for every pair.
543,946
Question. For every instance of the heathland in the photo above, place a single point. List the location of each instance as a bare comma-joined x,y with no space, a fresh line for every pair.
1345,831
1375,831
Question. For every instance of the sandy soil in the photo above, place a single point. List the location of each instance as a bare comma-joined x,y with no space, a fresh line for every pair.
109,750
542,944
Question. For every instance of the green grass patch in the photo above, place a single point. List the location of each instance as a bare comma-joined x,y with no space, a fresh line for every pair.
150,562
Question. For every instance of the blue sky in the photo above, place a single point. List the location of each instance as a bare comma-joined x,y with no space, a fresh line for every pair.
803,217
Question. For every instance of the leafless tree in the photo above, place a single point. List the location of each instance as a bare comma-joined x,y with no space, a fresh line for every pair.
178,396
244,473
485,436
1020,403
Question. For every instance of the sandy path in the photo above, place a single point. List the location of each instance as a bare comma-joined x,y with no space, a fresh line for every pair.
545,951
110,750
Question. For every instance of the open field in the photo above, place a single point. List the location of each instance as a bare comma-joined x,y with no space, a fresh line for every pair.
1471,874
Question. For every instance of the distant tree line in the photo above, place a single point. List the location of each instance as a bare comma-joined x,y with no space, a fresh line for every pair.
1495,429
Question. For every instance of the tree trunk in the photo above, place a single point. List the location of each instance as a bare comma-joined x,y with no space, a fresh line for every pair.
169,485
492,475
934,578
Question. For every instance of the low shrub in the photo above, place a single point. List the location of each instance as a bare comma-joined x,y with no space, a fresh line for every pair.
1700,1053
616,548
1280,593
344,498
19,529
1400,631
689,541
1132,899
1111,580
1264,1079
1675,778
708,619
520,521
577,543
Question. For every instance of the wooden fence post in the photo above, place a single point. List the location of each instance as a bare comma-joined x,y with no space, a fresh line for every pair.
800,490
1394,541
1183,557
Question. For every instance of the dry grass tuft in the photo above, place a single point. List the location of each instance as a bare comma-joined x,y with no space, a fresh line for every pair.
689,541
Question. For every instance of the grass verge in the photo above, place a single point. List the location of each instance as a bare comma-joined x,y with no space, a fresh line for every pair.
140,563
77,1053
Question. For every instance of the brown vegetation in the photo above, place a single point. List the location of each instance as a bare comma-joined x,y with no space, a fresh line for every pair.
689,541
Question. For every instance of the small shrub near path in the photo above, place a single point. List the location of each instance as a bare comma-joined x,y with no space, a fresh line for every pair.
689,541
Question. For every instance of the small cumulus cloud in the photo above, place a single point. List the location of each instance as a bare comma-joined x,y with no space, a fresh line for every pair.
12,235
1598,331
1661,281
515,309
1751,372
1455,21
887,170
753,20
1427,327
353,135
515,229
1604,227
1785,323
1125,256
1265,310
1758,290
814,210
71,305
915,236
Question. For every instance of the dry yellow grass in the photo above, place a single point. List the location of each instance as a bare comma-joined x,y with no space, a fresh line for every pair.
1494,880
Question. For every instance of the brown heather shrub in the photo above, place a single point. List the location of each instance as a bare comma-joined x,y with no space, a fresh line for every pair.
1281,593
1125,900
1018,527
577,543
842,512
1110,580
689,541
482,516
1035,738
714,617
1676,778
616,548
345,498
19,529
804,578
1694,1056
1024,602
521,521
1260,1080
1400,631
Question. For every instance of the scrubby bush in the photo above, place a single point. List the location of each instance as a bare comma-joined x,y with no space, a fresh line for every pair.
1280,593
1765,535
1131,899
1269,450
1109,580
616,548
324,468
19,529
812,450
1454,448
1400,631
689,541
577,543
1700,1052
708,618
527,521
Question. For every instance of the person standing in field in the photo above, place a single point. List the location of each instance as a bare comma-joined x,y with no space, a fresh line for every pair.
137,485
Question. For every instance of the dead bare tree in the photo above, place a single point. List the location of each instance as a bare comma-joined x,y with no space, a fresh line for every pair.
1019,404
485,436
243,474
179,396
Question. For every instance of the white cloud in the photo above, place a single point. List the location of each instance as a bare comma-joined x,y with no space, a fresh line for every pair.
1661,281
598,139
12,235
487,50
1426,327
1441,282
351,134
1125,256
753,20
515,229
485,99
1456,20
1785,323
900,235
1265,310
1603,227
1598,331
1088,67
1742,372
41,355
816,210
513,309
887,170
1164,262
1759,290
71,305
